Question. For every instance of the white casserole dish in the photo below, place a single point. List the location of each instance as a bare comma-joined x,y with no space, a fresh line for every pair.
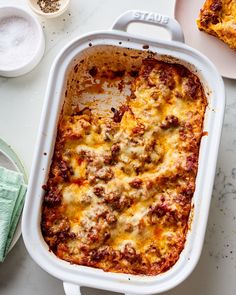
74,276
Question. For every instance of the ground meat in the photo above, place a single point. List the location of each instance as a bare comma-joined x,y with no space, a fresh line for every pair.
136,183
53,197
124,202
121,85
169,215
56,229
111,218
150,146
182,71
118,201
149,64
108,160
105,251
183,199
130,254
185,130
60,225
65,235
93,235
105,173
65,170
99,191
111,159
115,149
159,210
97,255
112,197
191,88
86,155
118,114
56,241
209,17
97,235
216,5
170,121
192,163
189,190
166,77
138,130
92,179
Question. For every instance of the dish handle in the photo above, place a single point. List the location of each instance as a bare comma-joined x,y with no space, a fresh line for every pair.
153,18
71,289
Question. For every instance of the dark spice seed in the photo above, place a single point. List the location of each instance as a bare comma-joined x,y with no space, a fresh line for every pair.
49,6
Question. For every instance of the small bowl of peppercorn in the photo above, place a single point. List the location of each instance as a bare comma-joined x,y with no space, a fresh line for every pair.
49,8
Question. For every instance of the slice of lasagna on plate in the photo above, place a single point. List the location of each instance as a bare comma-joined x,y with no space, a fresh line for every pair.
218,18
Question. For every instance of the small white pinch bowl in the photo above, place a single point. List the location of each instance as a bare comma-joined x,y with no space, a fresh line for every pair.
39,48
36,9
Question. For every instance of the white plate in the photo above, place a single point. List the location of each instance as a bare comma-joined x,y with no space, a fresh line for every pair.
186,13
9,160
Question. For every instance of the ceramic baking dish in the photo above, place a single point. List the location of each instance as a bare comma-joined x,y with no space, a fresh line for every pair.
75,276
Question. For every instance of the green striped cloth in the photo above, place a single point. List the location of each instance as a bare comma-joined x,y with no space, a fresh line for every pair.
12,193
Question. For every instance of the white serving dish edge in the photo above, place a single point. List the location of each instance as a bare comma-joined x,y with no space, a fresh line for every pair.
74,276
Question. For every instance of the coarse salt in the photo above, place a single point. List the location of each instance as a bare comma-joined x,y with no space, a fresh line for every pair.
18,42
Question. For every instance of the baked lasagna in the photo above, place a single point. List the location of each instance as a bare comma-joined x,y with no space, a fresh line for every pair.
120,186
218,18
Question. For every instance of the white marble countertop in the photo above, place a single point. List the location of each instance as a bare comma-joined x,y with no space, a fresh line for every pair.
21,101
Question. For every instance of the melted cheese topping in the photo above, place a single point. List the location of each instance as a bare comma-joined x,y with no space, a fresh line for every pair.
119,191
218,18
